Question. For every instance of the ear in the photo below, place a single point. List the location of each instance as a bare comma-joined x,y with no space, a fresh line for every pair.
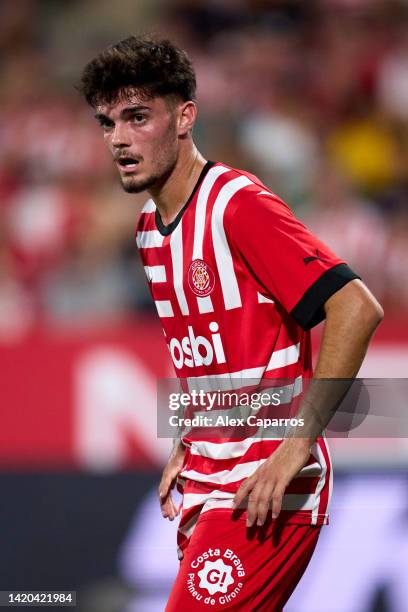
187,116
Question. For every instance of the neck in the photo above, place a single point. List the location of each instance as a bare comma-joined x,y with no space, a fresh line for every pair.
174,193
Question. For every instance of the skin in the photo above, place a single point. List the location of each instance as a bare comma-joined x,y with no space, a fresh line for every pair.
157,134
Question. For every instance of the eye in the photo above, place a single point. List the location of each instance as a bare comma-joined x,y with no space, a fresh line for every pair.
138,118
106,124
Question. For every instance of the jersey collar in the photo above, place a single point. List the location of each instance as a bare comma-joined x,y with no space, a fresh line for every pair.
165,230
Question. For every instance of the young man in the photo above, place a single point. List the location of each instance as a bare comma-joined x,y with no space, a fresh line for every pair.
238,282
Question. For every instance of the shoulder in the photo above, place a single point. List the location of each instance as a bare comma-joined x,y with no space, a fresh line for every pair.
249,199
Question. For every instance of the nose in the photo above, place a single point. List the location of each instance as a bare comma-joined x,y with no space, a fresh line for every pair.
120,135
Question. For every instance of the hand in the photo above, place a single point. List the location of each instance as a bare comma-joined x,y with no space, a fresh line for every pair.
168,480
268,483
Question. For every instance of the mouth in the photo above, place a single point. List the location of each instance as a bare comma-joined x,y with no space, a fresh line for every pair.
127,164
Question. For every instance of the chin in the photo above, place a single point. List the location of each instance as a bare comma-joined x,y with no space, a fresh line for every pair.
132,184
135,186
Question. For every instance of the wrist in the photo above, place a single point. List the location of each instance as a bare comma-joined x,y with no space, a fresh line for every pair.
301,445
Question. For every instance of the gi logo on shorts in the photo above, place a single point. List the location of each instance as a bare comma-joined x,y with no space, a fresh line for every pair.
201,278
215,577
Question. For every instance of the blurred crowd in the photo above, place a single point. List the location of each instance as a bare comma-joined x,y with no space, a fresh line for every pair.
310,96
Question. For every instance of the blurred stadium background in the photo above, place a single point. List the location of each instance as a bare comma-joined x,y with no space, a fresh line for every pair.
310,95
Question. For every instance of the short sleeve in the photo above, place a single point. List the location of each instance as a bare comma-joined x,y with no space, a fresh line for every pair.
288,263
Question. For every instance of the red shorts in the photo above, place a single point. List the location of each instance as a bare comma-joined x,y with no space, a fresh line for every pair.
227,566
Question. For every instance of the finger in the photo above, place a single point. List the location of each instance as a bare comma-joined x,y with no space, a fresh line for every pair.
251,510
165,506
243,491
168,508
174,509
277,498
262,508
264,494
258,502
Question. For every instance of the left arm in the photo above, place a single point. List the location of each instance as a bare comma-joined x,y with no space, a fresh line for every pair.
352,314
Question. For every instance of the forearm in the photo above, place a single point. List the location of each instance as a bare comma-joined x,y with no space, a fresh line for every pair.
351,319
348,329
178,448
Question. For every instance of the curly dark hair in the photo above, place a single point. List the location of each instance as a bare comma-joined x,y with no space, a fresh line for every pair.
153,67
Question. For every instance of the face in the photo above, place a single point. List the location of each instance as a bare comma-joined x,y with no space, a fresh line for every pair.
143,137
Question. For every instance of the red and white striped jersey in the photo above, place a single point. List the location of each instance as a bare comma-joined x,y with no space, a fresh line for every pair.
238,281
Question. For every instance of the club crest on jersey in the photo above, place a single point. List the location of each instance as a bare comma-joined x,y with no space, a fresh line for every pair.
201,278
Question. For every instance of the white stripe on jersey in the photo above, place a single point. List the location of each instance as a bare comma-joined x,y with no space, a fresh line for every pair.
238,472
286,395
290,501
204,303
225,382
164,308
149,206
193,499
286,392
234,380
264,300
149,239
298,501
318,454
221,450
201,208
244,470
284,357
176,248
156,274
225,266
229,450
326,446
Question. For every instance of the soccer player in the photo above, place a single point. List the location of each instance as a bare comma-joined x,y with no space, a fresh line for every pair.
238,282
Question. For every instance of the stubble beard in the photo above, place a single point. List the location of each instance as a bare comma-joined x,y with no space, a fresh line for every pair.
165,165
132,185
154,181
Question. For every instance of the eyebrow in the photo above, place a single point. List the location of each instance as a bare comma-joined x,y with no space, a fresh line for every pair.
124,112
101,117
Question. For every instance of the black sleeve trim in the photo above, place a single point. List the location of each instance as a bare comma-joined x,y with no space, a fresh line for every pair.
309,311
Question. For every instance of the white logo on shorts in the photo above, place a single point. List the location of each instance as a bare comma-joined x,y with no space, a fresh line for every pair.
220,571
215,577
